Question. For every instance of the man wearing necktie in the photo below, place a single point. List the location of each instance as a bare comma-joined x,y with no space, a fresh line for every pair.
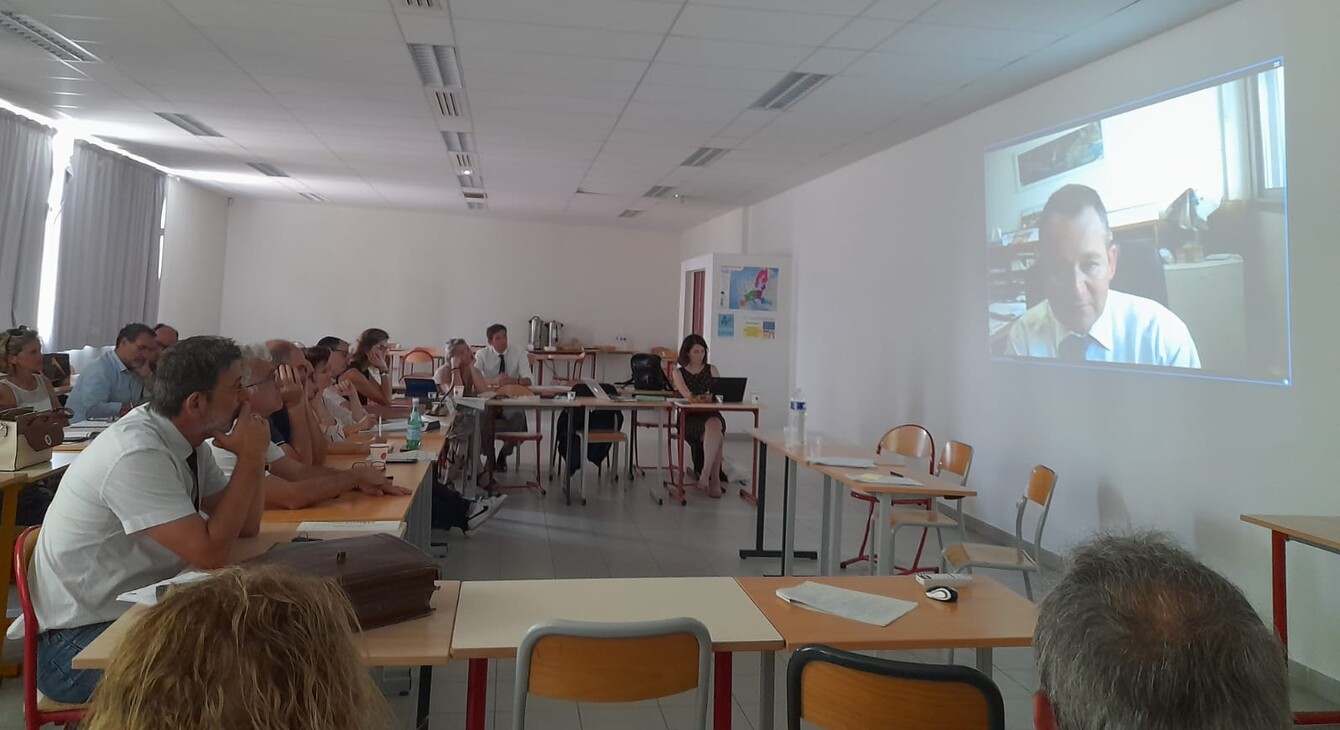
501,366
1083,318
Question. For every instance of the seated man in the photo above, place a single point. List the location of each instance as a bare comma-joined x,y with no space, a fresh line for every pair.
503,366
109,387
1138,635
143,501
166,335
1082,317
295,427
291,484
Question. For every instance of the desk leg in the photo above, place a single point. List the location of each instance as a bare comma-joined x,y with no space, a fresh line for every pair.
984,660
721,696
581,452
476,694
883,561
1279,587
752,495
767,685
760,504
789,518
826,529
425,697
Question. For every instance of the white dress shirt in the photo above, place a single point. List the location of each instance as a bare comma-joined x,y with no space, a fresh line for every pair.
1130,329
517,362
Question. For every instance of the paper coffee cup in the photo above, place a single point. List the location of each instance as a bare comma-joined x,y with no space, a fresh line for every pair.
378,452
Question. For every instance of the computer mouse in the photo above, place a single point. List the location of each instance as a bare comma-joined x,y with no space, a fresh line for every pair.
943,594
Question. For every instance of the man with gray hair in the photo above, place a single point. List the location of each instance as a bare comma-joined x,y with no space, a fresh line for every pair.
1139,635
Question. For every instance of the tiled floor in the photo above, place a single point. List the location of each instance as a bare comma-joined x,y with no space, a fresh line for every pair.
623,533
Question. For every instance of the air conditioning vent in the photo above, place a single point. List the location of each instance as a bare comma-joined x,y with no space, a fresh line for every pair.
475,194
450,104
704,157
465,161
459,141
789,90
630,213
425,4
472,205
658,191
267,169
437,65
190,124
313,197
474,180
45,38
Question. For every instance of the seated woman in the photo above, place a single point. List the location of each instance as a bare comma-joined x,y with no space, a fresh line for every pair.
693,379
334,405
22,384
250,649
460,372
368,357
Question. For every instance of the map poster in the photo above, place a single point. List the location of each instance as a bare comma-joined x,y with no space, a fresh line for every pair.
752,288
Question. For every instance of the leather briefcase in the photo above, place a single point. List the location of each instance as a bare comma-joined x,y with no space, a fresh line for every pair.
386,579
27,436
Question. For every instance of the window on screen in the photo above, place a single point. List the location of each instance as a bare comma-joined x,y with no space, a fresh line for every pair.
1149,238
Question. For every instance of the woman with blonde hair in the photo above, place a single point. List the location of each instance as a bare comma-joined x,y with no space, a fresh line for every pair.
21,380
258,648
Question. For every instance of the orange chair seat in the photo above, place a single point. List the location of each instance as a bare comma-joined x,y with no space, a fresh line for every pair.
518,437
49,705
920,518
985,556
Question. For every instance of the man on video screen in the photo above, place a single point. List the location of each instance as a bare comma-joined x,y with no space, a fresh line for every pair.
1083,319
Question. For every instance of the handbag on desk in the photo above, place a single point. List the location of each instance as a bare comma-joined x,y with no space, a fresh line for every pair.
27,436
386,579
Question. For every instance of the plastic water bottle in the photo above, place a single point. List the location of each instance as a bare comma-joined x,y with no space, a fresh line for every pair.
414,432
795,419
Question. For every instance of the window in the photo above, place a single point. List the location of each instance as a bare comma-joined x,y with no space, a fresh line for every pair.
1270,154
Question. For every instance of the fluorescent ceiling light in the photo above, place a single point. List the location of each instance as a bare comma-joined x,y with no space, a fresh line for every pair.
45,38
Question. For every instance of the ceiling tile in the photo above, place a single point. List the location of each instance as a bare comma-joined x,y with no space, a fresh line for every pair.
293,19
830,7
734,54
556,40
900,9
950,40
759,26
653,110
693,96
948,70
1047,16
751,81
635,16
571,86
829,61
862,34
480,60
435,29
555,101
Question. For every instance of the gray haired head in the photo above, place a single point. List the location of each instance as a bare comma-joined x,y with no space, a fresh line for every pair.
193,365
1139,635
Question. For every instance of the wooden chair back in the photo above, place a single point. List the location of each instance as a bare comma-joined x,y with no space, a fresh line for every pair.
615,662
417,356
1041,483
909,440
841,690
1041,487
956,459
33,716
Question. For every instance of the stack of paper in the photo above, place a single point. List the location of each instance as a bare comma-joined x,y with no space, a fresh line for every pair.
409,457
852,462
872,477
855,605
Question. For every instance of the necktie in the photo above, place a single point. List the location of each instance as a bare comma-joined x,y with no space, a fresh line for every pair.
502,364
193,463
1073,348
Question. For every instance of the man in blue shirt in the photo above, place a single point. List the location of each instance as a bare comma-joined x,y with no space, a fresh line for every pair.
109,387
1083,318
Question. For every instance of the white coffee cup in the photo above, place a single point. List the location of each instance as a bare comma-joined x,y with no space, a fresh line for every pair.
753,398
378,452
572,395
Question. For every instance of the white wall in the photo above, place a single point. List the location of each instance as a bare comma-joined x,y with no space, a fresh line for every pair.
194,239
890,270
301,271
723,234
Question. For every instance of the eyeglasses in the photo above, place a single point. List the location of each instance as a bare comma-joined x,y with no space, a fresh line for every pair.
12,331
270,379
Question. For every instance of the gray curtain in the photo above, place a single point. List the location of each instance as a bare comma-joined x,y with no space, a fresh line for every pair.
107,274
25,184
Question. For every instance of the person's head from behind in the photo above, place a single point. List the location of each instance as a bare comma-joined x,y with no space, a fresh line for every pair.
135,345
339,353
258,648
201,385
693,351
1077,255
1139,635
459,353
497,337
166,335
371,346
20,352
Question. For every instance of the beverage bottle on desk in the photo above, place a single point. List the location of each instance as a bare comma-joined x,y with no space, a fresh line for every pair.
795,419
414,432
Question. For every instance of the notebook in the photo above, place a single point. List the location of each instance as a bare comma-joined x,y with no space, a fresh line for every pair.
855,605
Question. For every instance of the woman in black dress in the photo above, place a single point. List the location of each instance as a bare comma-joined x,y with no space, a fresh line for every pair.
694,379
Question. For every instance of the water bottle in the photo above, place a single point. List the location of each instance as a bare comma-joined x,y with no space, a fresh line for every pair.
795,420
414,432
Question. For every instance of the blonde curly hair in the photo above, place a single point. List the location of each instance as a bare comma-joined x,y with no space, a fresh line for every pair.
256,648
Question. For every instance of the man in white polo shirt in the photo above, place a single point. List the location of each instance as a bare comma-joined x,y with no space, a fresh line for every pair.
143,501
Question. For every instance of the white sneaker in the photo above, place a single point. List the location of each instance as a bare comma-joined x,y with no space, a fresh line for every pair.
484,509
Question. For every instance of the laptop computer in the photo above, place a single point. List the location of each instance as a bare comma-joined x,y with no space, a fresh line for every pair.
731,390
425,389
599,393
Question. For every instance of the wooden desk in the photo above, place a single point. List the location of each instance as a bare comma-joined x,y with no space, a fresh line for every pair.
11,484
493,617
987,615
422,643
273,533
1321,532
683,410
632,407
415,509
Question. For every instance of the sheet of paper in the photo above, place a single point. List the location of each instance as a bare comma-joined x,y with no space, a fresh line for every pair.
855,605
851,462
92,425
387,526
409,457
874,477
148,595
